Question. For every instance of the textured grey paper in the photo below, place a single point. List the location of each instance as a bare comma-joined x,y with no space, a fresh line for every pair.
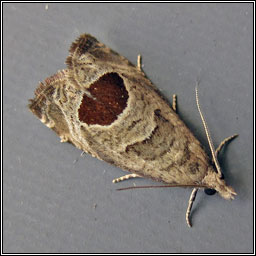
56,201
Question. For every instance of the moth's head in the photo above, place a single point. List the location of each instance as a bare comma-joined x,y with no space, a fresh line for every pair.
215,182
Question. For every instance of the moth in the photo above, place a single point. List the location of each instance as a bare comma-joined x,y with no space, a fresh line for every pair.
108,108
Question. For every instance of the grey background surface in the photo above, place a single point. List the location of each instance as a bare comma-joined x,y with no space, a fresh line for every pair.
58,201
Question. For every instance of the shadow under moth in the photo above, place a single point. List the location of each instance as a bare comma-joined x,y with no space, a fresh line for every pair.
107,107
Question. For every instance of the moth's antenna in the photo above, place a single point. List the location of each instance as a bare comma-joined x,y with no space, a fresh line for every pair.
166,186
214,156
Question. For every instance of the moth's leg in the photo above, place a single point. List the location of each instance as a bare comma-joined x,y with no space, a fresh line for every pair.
174,102
224,142
139,62
190,204
126,177
83,153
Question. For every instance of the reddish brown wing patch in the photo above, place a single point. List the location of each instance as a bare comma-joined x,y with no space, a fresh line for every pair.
109,99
